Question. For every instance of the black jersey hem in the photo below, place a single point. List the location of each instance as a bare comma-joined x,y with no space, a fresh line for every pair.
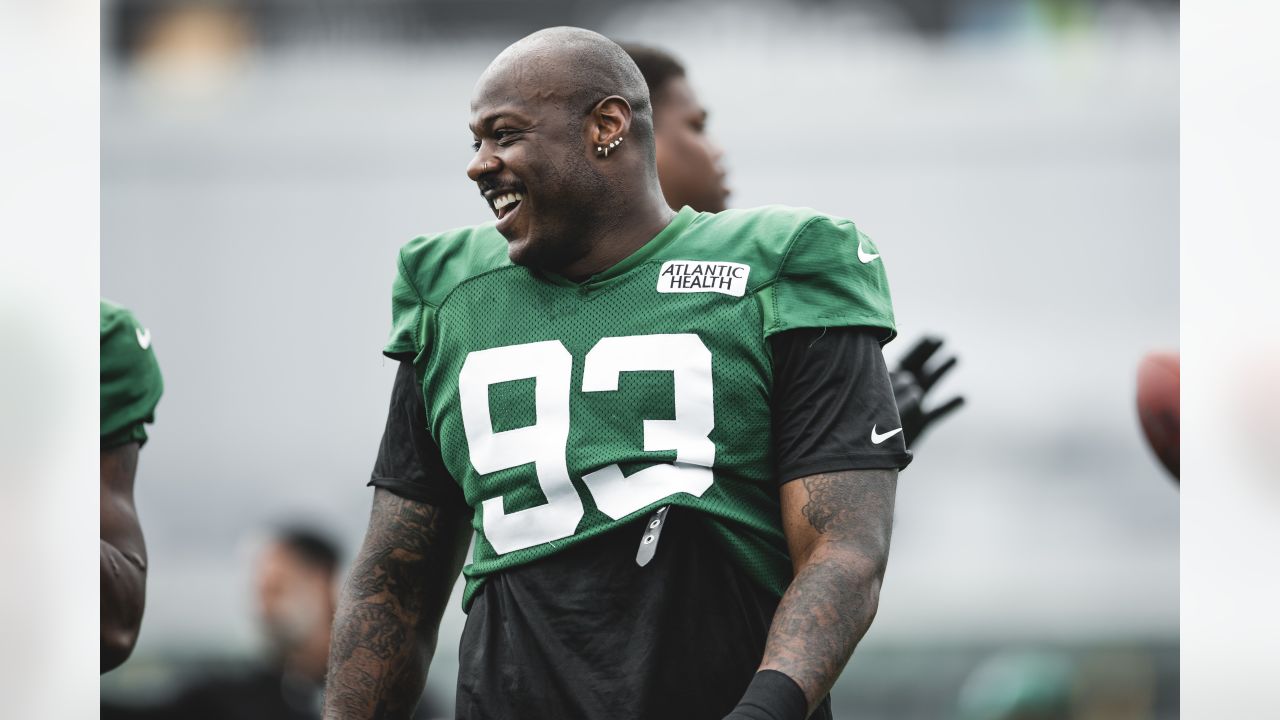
416,492
838,463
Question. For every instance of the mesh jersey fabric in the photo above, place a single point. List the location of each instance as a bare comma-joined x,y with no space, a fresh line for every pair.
830,385
681,636
129,379
564,410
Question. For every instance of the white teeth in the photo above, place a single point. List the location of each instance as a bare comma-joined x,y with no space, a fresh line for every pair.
505,200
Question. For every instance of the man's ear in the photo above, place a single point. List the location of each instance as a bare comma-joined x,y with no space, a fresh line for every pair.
610,120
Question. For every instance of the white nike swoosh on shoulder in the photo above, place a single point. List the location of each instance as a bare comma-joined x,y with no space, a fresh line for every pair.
865,256
144,337
877,438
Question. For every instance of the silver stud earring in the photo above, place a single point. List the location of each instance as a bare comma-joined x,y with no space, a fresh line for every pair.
604,150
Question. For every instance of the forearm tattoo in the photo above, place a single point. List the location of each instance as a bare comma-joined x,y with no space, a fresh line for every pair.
833,597
384,632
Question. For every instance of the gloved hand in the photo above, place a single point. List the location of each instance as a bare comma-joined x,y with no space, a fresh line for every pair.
912,382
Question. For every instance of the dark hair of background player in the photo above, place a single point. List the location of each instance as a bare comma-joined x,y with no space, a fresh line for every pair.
689,162
657,67
311,548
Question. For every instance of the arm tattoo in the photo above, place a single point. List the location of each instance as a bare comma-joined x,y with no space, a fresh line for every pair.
842,546
385,629
825,502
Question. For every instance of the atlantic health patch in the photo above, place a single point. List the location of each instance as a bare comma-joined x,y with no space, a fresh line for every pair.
686,276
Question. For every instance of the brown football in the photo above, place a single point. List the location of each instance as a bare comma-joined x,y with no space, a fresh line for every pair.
1158,381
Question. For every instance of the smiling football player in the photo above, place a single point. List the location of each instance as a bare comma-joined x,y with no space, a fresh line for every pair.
672,435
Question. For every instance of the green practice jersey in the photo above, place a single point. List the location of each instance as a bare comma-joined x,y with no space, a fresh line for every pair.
567,409
129,377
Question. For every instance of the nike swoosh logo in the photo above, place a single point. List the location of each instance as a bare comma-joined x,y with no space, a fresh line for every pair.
865,256
877,438
144,337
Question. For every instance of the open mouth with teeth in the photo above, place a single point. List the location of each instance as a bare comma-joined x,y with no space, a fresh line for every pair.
506,204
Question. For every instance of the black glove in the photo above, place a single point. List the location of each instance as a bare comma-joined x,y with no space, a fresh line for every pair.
912,382
771,696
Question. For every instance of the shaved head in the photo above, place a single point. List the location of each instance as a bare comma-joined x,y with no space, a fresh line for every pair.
574,69
563,131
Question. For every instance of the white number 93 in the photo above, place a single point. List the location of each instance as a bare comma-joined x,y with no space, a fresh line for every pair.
545,443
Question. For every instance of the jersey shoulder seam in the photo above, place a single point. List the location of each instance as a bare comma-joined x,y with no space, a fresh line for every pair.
782,264
469,279
791,245
435,347
408,277
786,254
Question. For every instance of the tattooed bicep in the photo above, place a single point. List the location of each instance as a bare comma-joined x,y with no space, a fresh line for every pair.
852,505
833,500
398,522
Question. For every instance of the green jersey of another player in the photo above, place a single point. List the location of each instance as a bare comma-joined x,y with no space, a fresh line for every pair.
130,387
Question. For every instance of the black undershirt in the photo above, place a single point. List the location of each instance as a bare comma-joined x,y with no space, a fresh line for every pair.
588,633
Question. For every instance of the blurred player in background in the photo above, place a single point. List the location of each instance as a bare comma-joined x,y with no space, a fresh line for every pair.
129,389
721,562
297,586
691,173
295,581
295,594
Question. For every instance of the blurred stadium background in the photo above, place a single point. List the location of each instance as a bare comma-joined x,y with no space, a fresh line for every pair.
1015,161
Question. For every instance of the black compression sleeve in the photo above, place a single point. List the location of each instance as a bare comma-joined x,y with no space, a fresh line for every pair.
770,696
833,405
409,462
